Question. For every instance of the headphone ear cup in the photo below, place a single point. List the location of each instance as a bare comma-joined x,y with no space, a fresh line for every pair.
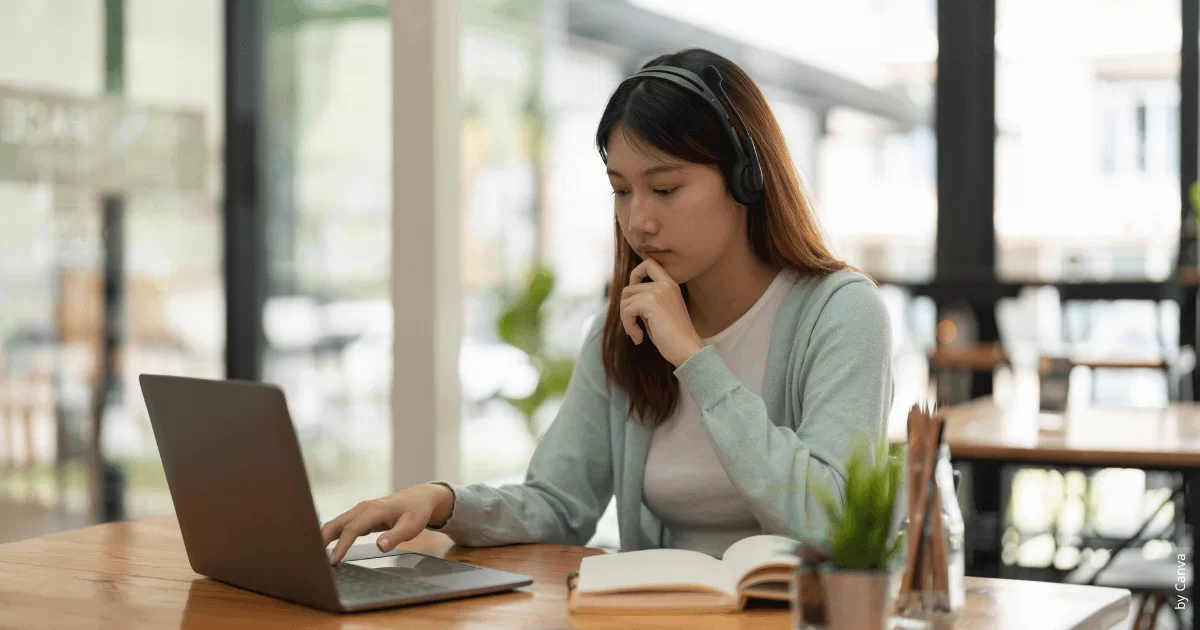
754,174
751,185
748,188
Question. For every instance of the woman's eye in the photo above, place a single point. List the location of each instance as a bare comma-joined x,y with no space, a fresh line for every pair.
620,193
663,192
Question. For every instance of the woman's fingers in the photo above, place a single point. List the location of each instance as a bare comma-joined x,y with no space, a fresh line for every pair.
650,268
629,314
371,519
331,530
638,289
638,274
407,527
630,311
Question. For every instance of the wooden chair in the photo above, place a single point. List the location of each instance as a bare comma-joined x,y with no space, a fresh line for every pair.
1151,581
1144,579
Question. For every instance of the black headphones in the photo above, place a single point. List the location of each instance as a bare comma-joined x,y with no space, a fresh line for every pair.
745,177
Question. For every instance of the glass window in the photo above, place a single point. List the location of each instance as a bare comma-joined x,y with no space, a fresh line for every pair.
1087,152
506,142
61,44
173,266
327,316
58,159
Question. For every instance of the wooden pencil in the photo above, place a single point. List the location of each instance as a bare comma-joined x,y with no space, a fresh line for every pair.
920,474
927,570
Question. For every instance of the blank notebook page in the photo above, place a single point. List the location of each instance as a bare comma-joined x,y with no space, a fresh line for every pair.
642,570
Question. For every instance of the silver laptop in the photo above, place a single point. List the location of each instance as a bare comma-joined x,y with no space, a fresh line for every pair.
241,494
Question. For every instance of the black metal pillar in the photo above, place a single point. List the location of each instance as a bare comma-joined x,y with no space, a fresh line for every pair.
243,206
966,241
1189,135
112,478
106,479
965,127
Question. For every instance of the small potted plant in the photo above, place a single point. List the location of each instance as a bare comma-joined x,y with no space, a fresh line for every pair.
859,582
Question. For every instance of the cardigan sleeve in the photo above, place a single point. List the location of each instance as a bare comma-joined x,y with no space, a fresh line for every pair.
845,396
569,481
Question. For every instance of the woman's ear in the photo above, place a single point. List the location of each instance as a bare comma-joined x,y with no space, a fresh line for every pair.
734,203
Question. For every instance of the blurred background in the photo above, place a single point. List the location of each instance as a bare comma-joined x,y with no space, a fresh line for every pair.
1013,172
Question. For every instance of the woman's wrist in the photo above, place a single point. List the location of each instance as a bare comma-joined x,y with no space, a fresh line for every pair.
687,353
443,507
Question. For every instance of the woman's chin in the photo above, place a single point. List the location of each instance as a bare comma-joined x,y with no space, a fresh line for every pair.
679,273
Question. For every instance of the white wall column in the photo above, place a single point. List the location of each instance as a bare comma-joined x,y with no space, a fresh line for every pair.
426,240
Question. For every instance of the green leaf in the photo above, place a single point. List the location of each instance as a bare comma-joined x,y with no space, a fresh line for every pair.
521,325
860,527
556,375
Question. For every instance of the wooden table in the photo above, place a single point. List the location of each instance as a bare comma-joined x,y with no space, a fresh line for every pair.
136,575
989,435
1156,439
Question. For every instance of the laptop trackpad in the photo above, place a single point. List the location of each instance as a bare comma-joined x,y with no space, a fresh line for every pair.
414,565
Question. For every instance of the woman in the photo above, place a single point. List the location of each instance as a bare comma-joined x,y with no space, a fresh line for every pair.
737,366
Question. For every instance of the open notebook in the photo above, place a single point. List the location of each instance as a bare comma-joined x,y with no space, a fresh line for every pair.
677,579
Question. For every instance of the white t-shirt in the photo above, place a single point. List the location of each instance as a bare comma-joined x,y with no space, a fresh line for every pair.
684,483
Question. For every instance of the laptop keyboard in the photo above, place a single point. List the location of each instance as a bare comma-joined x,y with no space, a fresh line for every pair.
362,584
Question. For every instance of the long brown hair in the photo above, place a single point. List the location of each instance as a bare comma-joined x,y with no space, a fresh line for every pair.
782,229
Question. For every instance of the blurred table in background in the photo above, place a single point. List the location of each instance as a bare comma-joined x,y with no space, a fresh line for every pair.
960,372
1189,276
990,436
1098,436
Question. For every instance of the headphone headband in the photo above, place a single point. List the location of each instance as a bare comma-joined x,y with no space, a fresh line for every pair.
745,177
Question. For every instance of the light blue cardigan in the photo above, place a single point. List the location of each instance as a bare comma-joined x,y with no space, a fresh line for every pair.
828,382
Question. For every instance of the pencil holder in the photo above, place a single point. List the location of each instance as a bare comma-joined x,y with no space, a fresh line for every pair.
931,591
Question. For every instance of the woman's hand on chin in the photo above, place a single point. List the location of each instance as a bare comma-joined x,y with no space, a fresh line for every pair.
660,305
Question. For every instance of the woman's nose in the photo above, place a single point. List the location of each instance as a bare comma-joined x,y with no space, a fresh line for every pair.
641,218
